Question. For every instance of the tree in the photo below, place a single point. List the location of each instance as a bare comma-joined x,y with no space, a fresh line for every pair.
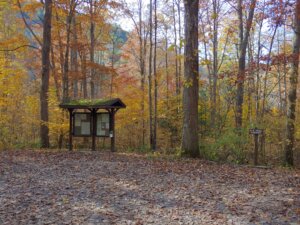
292,96
150,77
243,43
45,74
190,145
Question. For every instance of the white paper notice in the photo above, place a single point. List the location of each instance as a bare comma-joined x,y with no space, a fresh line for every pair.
85,128
77,121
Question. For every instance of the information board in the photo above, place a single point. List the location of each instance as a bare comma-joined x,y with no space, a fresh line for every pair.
103,124
82,124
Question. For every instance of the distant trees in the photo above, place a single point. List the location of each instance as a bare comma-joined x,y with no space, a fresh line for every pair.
243,79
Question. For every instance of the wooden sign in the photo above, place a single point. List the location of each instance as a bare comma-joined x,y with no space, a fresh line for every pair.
256,131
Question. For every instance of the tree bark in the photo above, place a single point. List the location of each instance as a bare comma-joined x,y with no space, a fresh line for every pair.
92,49
74,58
155,79
292,96
45,143
243,38
215,61
150,78
176,57
190,145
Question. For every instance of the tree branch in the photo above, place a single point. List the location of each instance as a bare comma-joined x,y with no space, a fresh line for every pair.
14,49
27,25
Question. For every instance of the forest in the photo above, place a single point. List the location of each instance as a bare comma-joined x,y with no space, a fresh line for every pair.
149,112
212,79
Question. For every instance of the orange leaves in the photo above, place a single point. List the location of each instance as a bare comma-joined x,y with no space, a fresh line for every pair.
33,6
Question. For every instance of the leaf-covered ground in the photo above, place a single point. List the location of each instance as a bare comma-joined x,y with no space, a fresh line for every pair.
102,188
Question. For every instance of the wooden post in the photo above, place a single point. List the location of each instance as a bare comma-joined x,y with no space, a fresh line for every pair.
71,130
255,149
94,118
112,129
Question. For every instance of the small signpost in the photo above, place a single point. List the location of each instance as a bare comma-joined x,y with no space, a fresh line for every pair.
256,132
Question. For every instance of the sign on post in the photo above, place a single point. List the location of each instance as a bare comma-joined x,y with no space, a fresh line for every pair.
256,132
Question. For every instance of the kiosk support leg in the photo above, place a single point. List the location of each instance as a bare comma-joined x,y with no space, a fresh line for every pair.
112,130
94,115
70,130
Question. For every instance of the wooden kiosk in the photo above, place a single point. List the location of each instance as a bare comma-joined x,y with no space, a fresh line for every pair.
86,121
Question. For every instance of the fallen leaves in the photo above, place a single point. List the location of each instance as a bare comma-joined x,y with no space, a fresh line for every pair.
38,187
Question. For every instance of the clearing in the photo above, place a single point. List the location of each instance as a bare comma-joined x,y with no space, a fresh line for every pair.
44,187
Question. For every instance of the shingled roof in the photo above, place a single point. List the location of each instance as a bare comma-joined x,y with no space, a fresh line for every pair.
93,104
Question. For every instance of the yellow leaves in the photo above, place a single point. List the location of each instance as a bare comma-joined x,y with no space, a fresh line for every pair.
187,83
171,48
205,62
32,7
214,16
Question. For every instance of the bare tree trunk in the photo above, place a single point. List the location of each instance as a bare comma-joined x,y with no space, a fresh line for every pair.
142,52
215,61
45,143
150,78
66,96
84,71
266,74
167,65
285,69
55,76
155,80
57,86
279,77
243,38
112,66
176,56
190,145
257,91
292,97
180,45
74,59
92,49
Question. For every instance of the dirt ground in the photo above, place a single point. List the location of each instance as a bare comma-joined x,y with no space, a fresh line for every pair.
44,187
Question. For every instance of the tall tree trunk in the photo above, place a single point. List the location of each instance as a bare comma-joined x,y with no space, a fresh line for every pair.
266,74
176,58
292,97
215,61
45,143
190,145
285,68
167,65
112,66
66,96
180,45
257,88
74,58
92,49
243,38
83,73
55,76
155,79
150,78
142,54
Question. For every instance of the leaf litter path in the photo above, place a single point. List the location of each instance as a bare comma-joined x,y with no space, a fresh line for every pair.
44,187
